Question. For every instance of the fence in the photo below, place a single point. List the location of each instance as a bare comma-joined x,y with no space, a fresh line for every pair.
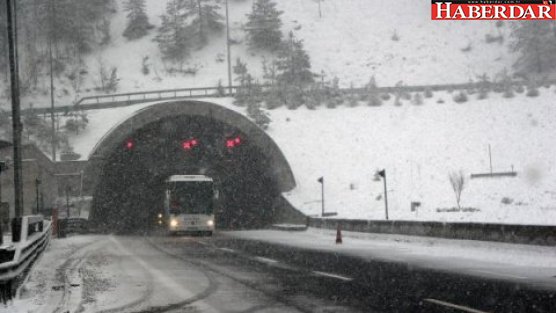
525,234
30,236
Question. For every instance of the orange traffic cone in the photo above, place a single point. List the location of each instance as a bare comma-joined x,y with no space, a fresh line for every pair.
339,235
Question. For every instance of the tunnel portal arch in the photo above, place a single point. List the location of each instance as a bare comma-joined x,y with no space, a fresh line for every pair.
264,159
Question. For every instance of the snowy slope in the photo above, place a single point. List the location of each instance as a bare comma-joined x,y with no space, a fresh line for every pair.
352,40
418,146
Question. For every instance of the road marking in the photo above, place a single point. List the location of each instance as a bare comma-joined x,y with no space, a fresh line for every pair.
264,260
499,274
201,242
454,306
227,250
344,278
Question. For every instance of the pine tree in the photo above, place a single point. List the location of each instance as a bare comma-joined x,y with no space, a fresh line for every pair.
272,96
254,102
535,44
293,72
373,94
138,22
244,80
417,99
294,64
506,86
204,18
352,98
484,86
333,94
172,38
263,26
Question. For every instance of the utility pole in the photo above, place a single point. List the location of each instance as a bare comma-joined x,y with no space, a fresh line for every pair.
3,167
52,118
37,184
228,49
16,109
383,175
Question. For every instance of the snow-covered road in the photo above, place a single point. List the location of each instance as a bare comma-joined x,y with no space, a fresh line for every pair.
278,271
527,264
157,274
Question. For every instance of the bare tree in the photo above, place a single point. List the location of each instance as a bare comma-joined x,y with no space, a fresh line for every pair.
457,180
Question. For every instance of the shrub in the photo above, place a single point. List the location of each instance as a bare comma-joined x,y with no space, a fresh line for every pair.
458,182
395,36
460,97
145,66
417,99
532,91
507,200
483,94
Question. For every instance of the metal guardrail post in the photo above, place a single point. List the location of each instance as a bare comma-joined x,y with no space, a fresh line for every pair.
16,229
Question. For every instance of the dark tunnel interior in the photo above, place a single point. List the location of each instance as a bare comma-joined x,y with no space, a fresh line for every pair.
130,193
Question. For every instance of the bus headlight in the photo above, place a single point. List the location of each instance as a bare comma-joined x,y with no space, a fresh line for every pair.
159,215
173,223
210,223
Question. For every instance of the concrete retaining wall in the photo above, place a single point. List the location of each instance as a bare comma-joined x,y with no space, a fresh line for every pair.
524,234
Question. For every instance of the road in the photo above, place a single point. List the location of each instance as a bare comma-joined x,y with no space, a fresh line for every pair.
106,274
174,274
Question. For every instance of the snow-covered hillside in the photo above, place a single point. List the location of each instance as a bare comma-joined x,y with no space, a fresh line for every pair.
419,146
353,40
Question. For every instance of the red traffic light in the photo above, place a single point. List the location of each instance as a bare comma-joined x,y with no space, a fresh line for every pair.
129,144
189,144
233,142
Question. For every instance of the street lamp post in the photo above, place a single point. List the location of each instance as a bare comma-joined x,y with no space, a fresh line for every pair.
67,202
321,181
52,118
37,184
3,167
228,50
383,175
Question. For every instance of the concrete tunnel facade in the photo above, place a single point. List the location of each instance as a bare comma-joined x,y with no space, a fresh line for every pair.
126,185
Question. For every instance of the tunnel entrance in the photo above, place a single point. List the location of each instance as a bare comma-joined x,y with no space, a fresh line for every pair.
130,164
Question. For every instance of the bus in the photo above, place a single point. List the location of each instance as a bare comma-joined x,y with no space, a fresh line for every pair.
189,204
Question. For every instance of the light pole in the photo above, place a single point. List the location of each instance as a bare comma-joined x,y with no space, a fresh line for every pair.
321,181
3,167
67,202
16,109
37,184
228,50
52,118
383,175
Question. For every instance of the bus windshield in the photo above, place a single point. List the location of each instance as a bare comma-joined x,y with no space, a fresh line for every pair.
191,197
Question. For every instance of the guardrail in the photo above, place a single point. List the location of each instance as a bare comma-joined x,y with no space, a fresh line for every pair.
131,98
30,236
523,234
